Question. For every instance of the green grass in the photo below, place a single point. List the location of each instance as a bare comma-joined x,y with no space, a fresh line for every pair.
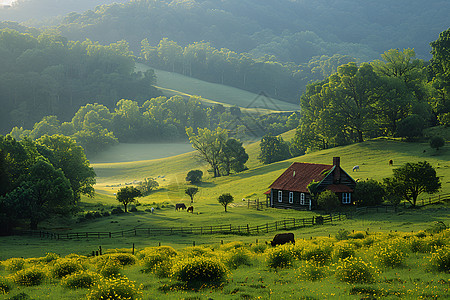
213,93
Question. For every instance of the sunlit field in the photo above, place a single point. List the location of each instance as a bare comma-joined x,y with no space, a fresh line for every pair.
212,93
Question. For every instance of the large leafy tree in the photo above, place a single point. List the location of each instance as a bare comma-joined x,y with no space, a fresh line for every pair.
440,66
413,179
273,149
70,157
45,192
127,195
209,144
233,157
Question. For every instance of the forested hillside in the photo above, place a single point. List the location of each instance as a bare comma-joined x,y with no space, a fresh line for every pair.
292,30
48,75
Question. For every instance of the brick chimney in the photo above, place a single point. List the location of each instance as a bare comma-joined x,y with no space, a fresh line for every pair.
337,169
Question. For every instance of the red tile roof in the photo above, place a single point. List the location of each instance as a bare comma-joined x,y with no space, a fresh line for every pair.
297,177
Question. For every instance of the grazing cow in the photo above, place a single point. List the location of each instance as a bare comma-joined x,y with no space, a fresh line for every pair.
282,238
355,168
190,209
391,162
179,206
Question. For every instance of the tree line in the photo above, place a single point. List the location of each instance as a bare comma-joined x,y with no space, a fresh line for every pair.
95,127
45,74
42,178
398,95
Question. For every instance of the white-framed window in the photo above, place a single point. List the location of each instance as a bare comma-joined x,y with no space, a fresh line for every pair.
280,196
291,197
346,198
302,199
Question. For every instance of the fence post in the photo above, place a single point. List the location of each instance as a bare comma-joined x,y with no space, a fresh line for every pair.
110,235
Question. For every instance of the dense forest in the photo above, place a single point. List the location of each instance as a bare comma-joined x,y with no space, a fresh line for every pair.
49,75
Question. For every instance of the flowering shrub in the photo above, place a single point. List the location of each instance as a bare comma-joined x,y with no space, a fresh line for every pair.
5,286
440,260
115,288
200,270
238,257
29,277
231,246
258,248
318,253
343,250
124,259
280,257
357,235
354,270
158,264
390,255
64,266
49,257
197,251
82,279
312,271
163,250
108,268
14,264
342,234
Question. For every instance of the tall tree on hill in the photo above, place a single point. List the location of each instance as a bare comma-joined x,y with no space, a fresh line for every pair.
413,179
209,144
273,149
127,195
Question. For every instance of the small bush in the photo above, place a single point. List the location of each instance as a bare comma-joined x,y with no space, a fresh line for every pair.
49,257
164,250
124,259
357,235
280,257
105,214
391,255
80,280
108,268
354,270
158,264
64,267
29,277
232,245
343,251
238,257
321,254
5,286
14,264
197,251
440,260
342,234
117,211
259,248
117,288
312,271
89,216
200,270
97,214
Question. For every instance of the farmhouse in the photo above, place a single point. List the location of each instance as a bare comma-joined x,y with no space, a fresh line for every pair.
290,190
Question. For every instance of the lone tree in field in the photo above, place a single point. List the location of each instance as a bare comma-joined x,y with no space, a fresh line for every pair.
194,176
413,179
191,191
127,195
225,199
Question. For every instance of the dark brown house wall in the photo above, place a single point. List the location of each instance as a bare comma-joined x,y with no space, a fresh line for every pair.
285,203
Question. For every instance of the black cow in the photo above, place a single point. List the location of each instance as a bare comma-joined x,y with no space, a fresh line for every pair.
391,162
282,238
190,209
179,206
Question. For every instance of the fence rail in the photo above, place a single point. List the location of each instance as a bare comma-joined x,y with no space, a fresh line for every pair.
433,199
286,224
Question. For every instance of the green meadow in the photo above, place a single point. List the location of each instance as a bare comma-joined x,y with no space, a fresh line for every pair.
312,269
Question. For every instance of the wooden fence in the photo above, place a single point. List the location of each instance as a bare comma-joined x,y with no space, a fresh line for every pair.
257,204
286,224
433,199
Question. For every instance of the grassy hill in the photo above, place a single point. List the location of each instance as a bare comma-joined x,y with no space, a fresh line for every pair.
212,93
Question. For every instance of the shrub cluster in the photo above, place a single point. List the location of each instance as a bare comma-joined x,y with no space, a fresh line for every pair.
280,257
158,264
29,277
80,280
14,264
390,255
440,260
5,286
238,257
312,271
200,270
115,288
356,270
65,266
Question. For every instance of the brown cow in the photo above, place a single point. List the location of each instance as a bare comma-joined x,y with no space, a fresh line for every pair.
283,238
190,209
179,206
391,162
